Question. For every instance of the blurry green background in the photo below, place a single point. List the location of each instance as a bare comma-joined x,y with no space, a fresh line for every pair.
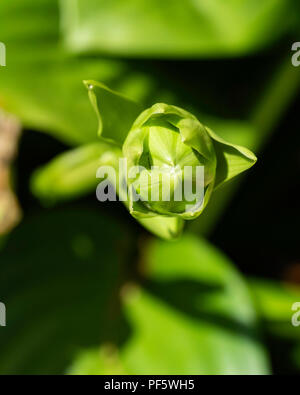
87,290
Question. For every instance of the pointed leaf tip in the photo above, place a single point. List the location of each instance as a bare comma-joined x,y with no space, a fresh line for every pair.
116,113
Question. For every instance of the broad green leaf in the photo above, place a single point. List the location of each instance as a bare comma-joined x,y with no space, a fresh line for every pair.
197,313
194,317
59,286
101,361
115,112
274,302
42,84
174,28
231,159
73,173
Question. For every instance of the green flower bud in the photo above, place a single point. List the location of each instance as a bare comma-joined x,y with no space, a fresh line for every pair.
174,162
177,162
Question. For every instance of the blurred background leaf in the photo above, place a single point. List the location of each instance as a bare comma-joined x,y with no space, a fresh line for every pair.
274,304
73,173
42,81
60,288
191,318
42,84
173,28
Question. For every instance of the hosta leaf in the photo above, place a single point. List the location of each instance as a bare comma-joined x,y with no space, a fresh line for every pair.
194,317
196,312
73,173
42,84
59,287
274,302
174,28
115,112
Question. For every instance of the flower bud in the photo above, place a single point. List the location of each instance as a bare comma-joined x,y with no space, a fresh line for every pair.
172,164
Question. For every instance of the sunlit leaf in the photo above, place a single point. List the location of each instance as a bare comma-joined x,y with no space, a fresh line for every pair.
275,303
42,84
73,173
174,28
194,317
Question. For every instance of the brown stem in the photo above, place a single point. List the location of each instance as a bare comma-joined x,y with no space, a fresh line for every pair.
10,212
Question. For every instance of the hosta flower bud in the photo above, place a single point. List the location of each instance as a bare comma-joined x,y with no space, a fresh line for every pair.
175,162
172,163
